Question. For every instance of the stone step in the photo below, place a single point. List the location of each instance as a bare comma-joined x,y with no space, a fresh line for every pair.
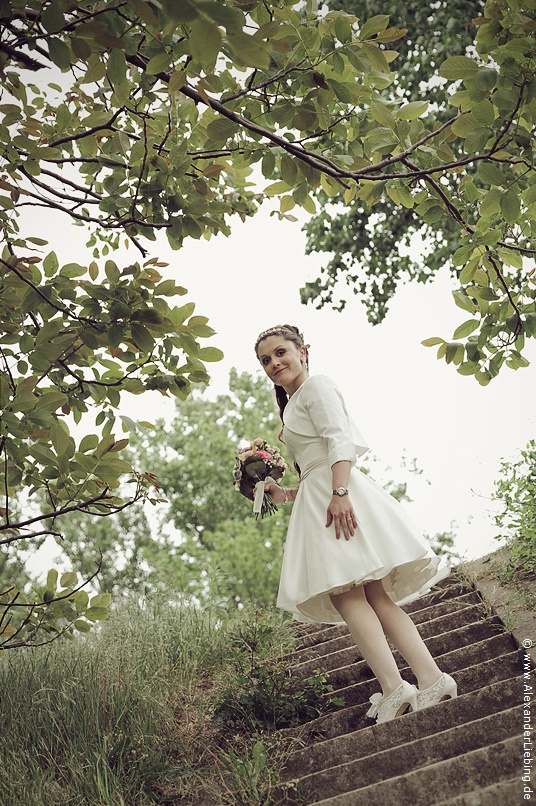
488,700
352,717
358,670
446,606
505,793
428,785
397,761
428,629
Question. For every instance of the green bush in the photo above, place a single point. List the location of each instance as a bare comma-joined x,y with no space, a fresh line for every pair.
262,692
516,488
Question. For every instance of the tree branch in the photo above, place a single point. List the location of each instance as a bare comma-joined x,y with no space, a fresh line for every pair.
56,513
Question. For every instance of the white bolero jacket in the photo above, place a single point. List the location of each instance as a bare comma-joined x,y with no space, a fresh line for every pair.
317,409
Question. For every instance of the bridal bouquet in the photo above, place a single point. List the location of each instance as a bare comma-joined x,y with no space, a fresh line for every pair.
256,464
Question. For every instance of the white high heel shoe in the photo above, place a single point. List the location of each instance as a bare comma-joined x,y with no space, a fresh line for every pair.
401,700
443,689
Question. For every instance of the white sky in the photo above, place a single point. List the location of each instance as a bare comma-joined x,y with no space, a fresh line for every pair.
403,399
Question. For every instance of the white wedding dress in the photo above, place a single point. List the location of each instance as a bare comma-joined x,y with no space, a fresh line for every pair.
386,545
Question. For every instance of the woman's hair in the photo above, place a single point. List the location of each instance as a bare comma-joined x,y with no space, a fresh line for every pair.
289,333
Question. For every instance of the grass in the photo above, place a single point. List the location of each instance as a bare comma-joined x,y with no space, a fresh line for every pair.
142,711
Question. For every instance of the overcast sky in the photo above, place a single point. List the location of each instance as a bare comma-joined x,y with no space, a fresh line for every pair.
404,400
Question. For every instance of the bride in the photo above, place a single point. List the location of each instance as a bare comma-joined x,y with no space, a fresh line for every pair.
351,554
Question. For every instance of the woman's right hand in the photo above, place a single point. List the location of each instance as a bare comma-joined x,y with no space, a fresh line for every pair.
276,492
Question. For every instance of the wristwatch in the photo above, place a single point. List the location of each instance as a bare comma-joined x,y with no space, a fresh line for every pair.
340,491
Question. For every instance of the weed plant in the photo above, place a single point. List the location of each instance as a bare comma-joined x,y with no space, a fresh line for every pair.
140,712
516,488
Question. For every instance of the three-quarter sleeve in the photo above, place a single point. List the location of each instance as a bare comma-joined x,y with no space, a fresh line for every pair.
327,411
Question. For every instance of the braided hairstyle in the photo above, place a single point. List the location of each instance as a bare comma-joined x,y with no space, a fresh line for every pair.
290,333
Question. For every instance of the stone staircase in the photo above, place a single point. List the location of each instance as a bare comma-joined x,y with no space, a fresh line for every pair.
462,752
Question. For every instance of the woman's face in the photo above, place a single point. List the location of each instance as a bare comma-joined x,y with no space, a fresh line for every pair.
283,362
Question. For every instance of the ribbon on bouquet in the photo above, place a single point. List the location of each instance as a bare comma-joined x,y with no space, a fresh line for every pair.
259,493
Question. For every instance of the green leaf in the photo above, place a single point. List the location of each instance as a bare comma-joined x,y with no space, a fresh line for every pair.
374,25
486,79
289,170
343,29
60,438
466,328
68,579
82,626
483,113
462,301
101,600
210,354
268,165
454,353
52,18
52,580
382,114
457,67
205,42
464,125
510,206
491,203
51,264
88,443
159,64
249,51
412,110
490,174
141,337
59,53
222,129
433,341
117,67
97,613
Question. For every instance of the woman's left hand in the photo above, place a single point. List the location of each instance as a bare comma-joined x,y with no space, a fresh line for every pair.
341,513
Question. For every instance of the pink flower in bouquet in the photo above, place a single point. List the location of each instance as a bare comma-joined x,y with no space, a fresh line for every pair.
263,455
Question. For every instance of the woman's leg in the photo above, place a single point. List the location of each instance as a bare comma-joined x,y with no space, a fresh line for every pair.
402,632
368,633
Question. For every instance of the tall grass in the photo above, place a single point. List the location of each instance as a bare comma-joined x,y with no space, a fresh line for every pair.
128,716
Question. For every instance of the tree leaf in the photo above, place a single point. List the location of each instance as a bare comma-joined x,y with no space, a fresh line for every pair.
412,110
221,129
457,67
431,342
159,63
59,53
60,438
210,354
205,42
116,69
141,337
248,51
374,25
68,579
510,206
466,328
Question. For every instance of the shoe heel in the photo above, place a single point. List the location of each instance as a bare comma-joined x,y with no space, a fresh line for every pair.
451,690
410,702
412,699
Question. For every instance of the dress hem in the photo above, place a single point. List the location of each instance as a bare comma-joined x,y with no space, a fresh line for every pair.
299,612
